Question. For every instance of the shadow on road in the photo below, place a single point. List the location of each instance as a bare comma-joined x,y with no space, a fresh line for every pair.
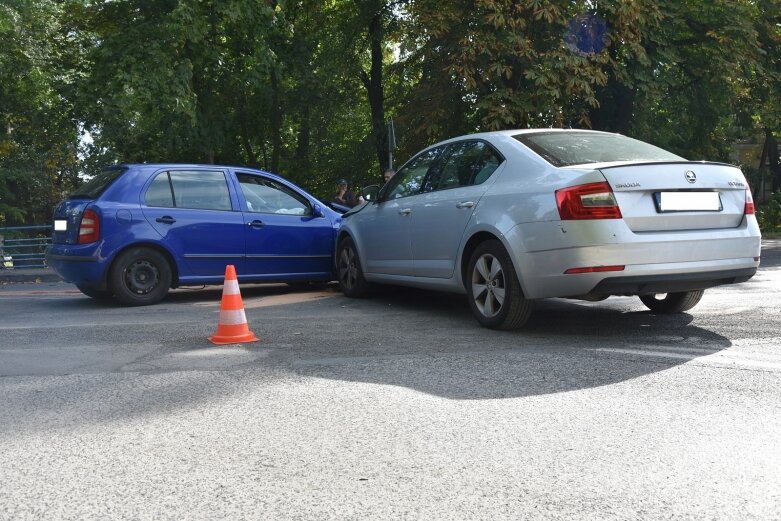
431,343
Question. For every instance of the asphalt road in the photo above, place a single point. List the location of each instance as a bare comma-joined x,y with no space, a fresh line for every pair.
394,407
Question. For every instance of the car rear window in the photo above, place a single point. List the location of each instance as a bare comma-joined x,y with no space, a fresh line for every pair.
98,184
579,148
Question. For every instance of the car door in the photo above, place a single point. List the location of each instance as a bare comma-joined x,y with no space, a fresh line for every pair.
441,213
284,238
192,211
384,229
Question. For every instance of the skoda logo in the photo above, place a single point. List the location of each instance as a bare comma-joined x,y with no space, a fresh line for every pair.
690,176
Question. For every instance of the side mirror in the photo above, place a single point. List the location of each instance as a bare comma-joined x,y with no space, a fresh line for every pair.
317,211
370,192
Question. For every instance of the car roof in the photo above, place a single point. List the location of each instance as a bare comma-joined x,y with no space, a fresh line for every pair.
515,132
184,165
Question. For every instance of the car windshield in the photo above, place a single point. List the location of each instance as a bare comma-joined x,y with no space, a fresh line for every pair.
578,148
98,184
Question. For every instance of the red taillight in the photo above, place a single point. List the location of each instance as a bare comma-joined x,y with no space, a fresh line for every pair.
593,269
89,231
749,208
590,201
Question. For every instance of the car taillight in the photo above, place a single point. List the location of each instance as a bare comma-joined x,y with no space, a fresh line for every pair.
89,230
589,201
749,208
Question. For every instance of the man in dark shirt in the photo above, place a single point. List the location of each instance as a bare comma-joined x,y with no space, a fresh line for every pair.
344,196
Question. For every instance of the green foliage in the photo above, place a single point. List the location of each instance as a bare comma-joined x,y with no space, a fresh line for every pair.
302,87
769,215
38,153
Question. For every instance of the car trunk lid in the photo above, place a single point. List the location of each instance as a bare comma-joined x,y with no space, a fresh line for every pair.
670,196
67,220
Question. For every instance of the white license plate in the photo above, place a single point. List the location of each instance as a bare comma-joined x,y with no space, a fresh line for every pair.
60,225
689,202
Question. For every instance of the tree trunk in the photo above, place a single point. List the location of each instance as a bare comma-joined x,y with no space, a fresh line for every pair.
374,88
771,145
276,123
302,149
244,129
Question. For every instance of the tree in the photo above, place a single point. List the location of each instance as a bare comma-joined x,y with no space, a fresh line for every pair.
524,63
38,136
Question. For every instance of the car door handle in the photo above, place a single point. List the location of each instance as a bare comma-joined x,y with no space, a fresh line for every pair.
166,219
256,224
405,211
465,204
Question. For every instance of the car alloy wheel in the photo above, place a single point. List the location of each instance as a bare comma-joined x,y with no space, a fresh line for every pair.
349,270
495,294
488,285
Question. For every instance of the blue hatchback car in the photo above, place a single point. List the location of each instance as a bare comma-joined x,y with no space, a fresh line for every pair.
135,231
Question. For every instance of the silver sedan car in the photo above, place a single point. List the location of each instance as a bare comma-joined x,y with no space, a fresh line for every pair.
513,216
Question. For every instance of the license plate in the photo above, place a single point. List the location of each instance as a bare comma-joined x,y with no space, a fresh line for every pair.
688,202
60,225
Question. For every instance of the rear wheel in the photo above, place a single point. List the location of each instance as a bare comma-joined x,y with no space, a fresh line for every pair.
672,302
95,293
140,276
495,294
348,268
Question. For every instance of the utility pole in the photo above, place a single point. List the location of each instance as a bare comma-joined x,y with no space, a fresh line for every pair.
391,142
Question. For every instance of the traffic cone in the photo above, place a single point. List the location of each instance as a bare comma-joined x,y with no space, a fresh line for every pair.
232,328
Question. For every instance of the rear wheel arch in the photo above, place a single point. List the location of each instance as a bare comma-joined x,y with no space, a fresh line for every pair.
151,246
469,248
472,244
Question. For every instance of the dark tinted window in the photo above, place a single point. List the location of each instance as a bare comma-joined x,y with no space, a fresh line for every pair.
98,184
579,148
467,163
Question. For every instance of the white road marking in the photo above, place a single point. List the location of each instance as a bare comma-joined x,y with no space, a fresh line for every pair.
711,357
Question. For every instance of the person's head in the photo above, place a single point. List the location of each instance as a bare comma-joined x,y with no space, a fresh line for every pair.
386,175
342,184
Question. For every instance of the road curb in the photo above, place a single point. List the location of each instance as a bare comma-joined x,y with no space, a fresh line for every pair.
27,276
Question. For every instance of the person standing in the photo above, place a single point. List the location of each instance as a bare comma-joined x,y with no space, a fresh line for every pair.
344,195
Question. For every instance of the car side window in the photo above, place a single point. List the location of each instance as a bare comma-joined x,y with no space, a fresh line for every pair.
159,192
486,165
264,195
409,179
199,190
465,163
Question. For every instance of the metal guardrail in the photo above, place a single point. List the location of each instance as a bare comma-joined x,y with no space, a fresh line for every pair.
24,246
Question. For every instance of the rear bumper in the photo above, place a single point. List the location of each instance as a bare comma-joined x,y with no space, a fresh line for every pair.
670,283
79,264
653,262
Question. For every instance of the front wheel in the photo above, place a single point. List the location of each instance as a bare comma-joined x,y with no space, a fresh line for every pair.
672,302
348,268
140,276
495,294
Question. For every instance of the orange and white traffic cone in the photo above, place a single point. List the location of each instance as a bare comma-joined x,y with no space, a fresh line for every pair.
232,328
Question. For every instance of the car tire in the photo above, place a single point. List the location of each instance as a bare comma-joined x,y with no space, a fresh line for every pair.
672,302
140,276
495,294
348,269
98,294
